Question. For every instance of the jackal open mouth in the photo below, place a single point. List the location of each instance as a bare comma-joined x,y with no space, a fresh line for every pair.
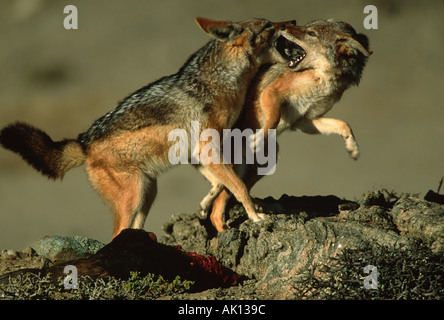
290,51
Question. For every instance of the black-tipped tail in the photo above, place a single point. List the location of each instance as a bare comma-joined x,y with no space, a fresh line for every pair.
51,158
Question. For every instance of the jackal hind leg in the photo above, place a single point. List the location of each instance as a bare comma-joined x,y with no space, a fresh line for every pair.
149,194
125,192
207,201
251,177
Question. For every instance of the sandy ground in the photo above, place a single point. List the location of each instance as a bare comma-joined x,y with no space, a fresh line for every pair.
62,80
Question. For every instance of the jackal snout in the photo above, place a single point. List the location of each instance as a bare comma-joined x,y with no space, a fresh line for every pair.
337,41
290,51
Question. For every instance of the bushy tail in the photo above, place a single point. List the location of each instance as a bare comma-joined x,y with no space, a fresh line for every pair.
51,158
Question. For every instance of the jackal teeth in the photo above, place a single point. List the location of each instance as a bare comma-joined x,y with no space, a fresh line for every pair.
294,63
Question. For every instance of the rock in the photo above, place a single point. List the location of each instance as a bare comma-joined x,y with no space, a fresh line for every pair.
28,251
185,226
421,219
59,249
10,254
311,235
434,197
373,198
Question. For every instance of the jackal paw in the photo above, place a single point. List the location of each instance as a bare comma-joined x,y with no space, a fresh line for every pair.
258,217
354,154
352,147
202,213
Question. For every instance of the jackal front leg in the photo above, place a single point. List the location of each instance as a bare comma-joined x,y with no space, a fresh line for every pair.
329,126
269,112
208,200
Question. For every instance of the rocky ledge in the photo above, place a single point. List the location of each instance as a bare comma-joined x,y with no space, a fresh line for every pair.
319,247
383,246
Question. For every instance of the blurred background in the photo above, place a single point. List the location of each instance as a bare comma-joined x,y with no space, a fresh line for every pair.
62,80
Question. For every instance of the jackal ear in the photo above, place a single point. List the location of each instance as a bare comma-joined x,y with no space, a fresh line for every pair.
281,25
350,46
220,30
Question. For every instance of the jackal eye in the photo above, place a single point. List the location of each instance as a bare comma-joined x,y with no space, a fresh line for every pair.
312,33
